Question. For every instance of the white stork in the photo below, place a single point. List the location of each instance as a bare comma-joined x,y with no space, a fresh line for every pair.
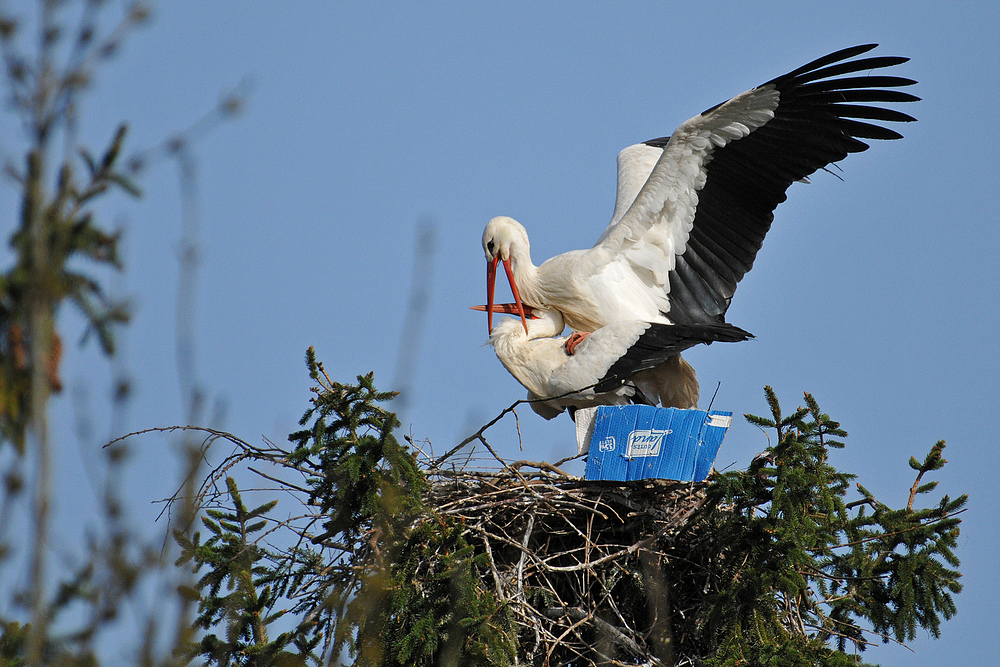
618,364
692,209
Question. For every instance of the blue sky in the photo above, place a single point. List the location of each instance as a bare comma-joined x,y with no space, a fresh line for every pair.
876,292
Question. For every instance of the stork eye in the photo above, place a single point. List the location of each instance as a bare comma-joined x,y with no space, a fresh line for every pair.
489,246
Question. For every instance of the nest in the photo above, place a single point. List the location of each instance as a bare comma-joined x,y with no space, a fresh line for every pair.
581,566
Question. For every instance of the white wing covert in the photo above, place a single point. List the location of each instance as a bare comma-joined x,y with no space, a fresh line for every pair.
595,356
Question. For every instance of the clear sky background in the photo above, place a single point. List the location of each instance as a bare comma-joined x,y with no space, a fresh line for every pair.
876,292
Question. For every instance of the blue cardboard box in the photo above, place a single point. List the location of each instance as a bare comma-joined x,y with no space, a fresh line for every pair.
629,442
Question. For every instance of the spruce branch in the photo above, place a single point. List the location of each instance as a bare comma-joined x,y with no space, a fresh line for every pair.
933,461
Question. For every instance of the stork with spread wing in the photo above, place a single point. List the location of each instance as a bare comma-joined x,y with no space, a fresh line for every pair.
692,209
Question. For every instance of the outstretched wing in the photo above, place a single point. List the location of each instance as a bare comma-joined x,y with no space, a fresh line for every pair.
695,226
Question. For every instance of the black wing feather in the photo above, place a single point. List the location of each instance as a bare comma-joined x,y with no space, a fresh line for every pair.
850,67
829,59
873,113
860,95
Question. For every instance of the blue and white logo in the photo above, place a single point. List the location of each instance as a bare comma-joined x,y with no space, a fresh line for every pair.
607,444
645,442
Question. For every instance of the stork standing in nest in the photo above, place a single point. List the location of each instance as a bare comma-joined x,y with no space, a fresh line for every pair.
692,209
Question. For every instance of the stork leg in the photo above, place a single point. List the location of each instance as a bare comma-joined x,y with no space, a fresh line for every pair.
575,339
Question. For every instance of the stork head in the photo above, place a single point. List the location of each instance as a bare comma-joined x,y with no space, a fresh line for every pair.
502,238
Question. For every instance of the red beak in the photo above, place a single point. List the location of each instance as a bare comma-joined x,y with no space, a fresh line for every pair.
491,280
509,309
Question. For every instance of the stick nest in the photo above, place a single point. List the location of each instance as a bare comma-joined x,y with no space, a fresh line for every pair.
580,565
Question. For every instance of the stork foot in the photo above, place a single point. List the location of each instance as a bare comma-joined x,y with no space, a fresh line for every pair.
575,339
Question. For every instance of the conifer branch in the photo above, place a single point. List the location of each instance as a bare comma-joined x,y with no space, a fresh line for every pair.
933,461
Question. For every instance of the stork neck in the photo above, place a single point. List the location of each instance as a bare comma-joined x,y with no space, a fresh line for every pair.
547,323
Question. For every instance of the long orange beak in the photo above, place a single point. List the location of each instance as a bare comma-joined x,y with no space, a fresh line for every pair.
491,281
509,309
